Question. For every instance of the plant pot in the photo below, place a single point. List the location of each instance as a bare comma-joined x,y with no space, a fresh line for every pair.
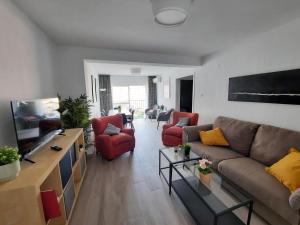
187,151
205,178
9,171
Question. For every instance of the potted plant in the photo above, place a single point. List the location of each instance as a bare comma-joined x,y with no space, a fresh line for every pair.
9,163
205,169
75,113
186,149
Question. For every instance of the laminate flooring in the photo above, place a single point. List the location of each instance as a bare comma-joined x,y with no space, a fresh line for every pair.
128,190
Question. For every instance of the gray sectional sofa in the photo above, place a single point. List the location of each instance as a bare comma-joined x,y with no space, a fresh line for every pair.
252,148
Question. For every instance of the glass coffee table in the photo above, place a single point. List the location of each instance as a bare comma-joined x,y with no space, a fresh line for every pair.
172,156
212,199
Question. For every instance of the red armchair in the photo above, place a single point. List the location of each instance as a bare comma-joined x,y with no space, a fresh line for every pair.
111,147
171,134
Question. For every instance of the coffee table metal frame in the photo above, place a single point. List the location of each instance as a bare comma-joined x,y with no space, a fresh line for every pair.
171,163
248,203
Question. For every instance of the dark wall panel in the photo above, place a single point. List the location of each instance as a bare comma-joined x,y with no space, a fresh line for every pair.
278,87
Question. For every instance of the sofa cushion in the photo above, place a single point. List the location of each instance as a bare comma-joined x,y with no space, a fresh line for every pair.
174,131
213,137
121,138
213,153
111,129
239,134
250,175
183,121
272,143
287,170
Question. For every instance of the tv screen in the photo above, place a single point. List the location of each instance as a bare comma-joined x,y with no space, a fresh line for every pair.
36,121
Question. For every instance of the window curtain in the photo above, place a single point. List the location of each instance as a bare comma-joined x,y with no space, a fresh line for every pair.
152,95
105,93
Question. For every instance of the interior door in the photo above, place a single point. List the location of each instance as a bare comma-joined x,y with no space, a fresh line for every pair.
186,95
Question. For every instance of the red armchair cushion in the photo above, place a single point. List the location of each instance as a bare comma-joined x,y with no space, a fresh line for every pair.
174,131
120,139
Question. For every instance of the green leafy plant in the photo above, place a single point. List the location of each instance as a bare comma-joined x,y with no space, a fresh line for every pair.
8,155
75,113
186,147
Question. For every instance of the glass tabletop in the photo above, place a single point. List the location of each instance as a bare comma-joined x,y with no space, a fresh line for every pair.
217,192
175,154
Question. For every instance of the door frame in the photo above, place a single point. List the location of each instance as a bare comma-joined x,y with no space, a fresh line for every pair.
177,91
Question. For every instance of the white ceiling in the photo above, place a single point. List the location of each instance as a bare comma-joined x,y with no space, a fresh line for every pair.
122,69
128,24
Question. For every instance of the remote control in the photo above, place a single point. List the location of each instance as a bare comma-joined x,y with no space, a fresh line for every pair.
56,148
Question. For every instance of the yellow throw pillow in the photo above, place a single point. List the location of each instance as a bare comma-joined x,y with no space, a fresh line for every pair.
213,137
287,170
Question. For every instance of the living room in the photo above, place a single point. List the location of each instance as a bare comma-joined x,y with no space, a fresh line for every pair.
229,48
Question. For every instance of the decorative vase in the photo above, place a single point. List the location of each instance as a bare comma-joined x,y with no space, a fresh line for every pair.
9,171
205,178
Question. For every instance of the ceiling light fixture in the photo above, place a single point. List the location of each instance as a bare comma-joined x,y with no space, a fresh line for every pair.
171,12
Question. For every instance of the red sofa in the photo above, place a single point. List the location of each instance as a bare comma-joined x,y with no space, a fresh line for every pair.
171,134
113,146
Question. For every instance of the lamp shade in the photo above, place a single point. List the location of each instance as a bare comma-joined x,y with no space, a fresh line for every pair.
171,12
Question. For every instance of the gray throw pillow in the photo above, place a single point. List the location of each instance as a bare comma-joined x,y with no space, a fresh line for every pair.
183,121
111,129
295,199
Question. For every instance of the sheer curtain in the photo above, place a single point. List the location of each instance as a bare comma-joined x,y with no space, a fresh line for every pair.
105,93
152,95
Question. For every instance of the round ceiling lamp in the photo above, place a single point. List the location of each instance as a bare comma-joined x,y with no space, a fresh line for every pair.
171,12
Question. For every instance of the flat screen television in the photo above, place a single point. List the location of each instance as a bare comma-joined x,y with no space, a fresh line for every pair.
36,122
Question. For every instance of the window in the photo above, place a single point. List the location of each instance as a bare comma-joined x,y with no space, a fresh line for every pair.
130,97
120,95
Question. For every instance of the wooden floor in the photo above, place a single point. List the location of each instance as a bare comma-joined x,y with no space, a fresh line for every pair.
128,190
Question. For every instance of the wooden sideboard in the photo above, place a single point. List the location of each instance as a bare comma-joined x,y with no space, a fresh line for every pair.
63,171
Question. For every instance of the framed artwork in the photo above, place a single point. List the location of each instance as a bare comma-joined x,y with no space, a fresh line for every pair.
92,85
281,87
166,86
95,91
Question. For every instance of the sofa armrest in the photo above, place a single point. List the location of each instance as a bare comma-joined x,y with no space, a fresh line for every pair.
294,200
191,133
128,131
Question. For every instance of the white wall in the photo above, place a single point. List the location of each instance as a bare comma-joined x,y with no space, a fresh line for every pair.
71,80
177,73
123,80
27,63
275,50
95,106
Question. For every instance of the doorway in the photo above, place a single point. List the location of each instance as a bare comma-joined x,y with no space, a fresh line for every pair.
185,87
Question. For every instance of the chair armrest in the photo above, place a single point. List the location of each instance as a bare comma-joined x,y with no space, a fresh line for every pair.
166,126
128,131
102,139
191,133
294,200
